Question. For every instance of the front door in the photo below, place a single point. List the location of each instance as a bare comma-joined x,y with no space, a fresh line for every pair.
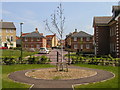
5,44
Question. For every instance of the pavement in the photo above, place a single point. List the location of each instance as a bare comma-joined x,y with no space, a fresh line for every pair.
41,84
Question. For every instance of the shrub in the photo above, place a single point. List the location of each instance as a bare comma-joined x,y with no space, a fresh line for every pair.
31,60
9,60
44,59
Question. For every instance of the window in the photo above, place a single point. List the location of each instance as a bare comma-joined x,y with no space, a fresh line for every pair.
0,30
38,39
7,38
32,39
75,38
7,31
75,47
38,46
26,39
11,38
32,46
11,31
87,38
81,46
87,46
81,39
26,46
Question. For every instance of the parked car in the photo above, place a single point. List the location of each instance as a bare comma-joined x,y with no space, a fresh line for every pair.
44,50
3,47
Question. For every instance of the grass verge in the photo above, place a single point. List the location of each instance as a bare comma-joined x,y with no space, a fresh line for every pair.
7,69
112,83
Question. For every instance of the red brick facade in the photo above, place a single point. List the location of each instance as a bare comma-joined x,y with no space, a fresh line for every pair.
107,34
33,40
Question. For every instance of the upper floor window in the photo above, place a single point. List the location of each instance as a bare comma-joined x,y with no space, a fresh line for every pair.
7,31
87,46
11,31
38,39
32,39
81,39
26,39
75,38
87,38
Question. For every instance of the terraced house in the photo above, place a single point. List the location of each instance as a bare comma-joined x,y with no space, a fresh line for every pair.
7,34
81,41
107,33
33,40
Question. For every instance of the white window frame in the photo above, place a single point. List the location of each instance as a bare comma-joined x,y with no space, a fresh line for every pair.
32,39
75,46
81,46
26,39
87,38
32,46
38,39
75,38
11,30
11,39
38,46
81,39
7,31
87,46
7,38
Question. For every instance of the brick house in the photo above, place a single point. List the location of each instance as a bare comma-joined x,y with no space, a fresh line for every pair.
51,40
81,41
7,31
33,40
107,33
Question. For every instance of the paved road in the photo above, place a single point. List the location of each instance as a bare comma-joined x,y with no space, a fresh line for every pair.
19,76
53,55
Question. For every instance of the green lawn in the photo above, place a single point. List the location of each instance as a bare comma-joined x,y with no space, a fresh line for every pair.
7,69
16,53
112,83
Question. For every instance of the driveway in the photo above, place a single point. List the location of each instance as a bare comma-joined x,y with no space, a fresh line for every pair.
53,55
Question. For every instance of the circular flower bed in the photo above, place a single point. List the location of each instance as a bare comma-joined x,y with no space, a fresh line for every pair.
52,74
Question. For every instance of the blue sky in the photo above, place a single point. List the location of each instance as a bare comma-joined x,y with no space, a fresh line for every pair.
78,15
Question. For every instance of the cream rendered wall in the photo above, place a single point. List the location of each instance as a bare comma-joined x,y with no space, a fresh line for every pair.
4,34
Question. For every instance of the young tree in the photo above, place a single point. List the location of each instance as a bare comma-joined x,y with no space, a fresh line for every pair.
58,21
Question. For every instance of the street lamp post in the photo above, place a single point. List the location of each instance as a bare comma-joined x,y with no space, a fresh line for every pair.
21,40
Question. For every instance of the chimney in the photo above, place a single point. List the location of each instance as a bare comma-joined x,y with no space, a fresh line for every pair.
36,29
1,20
75,30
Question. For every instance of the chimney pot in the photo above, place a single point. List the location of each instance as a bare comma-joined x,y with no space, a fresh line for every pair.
36,29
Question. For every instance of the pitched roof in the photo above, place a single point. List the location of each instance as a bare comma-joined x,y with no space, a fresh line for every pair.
50,35
81,34
7,25
115,8
23,34
34,34
101,20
